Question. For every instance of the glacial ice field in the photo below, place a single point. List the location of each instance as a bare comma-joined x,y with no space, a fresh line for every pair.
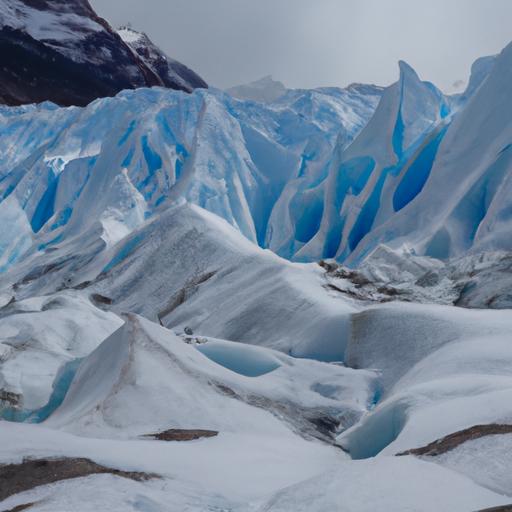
218,304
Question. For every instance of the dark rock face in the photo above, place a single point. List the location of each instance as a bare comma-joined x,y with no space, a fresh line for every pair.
452,441
183,435
172,73
19,508
505,508
63,52
29,474
31,72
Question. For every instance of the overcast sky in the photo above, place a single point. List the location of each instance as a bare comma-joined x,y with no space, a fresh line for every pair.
311,43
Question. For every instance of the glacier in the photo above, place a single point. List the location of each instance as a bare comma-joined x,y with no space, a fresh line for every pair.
230,157
325,173
318,279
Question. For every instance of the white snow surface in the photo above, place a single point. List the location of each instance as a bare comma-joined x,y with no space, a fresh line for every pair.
38,336
209,278
435,362
384,484
485,460
144,379
129,36
240,466
46,24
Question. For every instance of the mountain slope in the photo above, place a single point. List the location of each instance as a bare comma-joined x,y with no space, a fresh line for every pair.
65,53
172,73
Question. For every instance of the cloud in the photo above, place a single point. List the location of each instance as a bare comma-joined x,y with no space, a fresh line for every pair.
308,43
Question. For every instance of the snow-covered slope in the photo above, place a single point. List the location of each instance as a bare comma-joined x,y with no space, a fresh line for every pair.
393,484
229,289
153,319
259,454
64,52
144,379
172,73
418,373
444,370
42,340
188,268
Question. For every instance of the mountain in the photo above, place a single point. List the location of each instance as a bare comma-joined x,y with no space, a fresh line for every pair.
264,90
172,73
65,53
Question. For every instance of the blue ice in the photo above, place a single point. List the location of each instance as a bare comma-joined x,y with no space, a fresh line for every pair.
239,358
